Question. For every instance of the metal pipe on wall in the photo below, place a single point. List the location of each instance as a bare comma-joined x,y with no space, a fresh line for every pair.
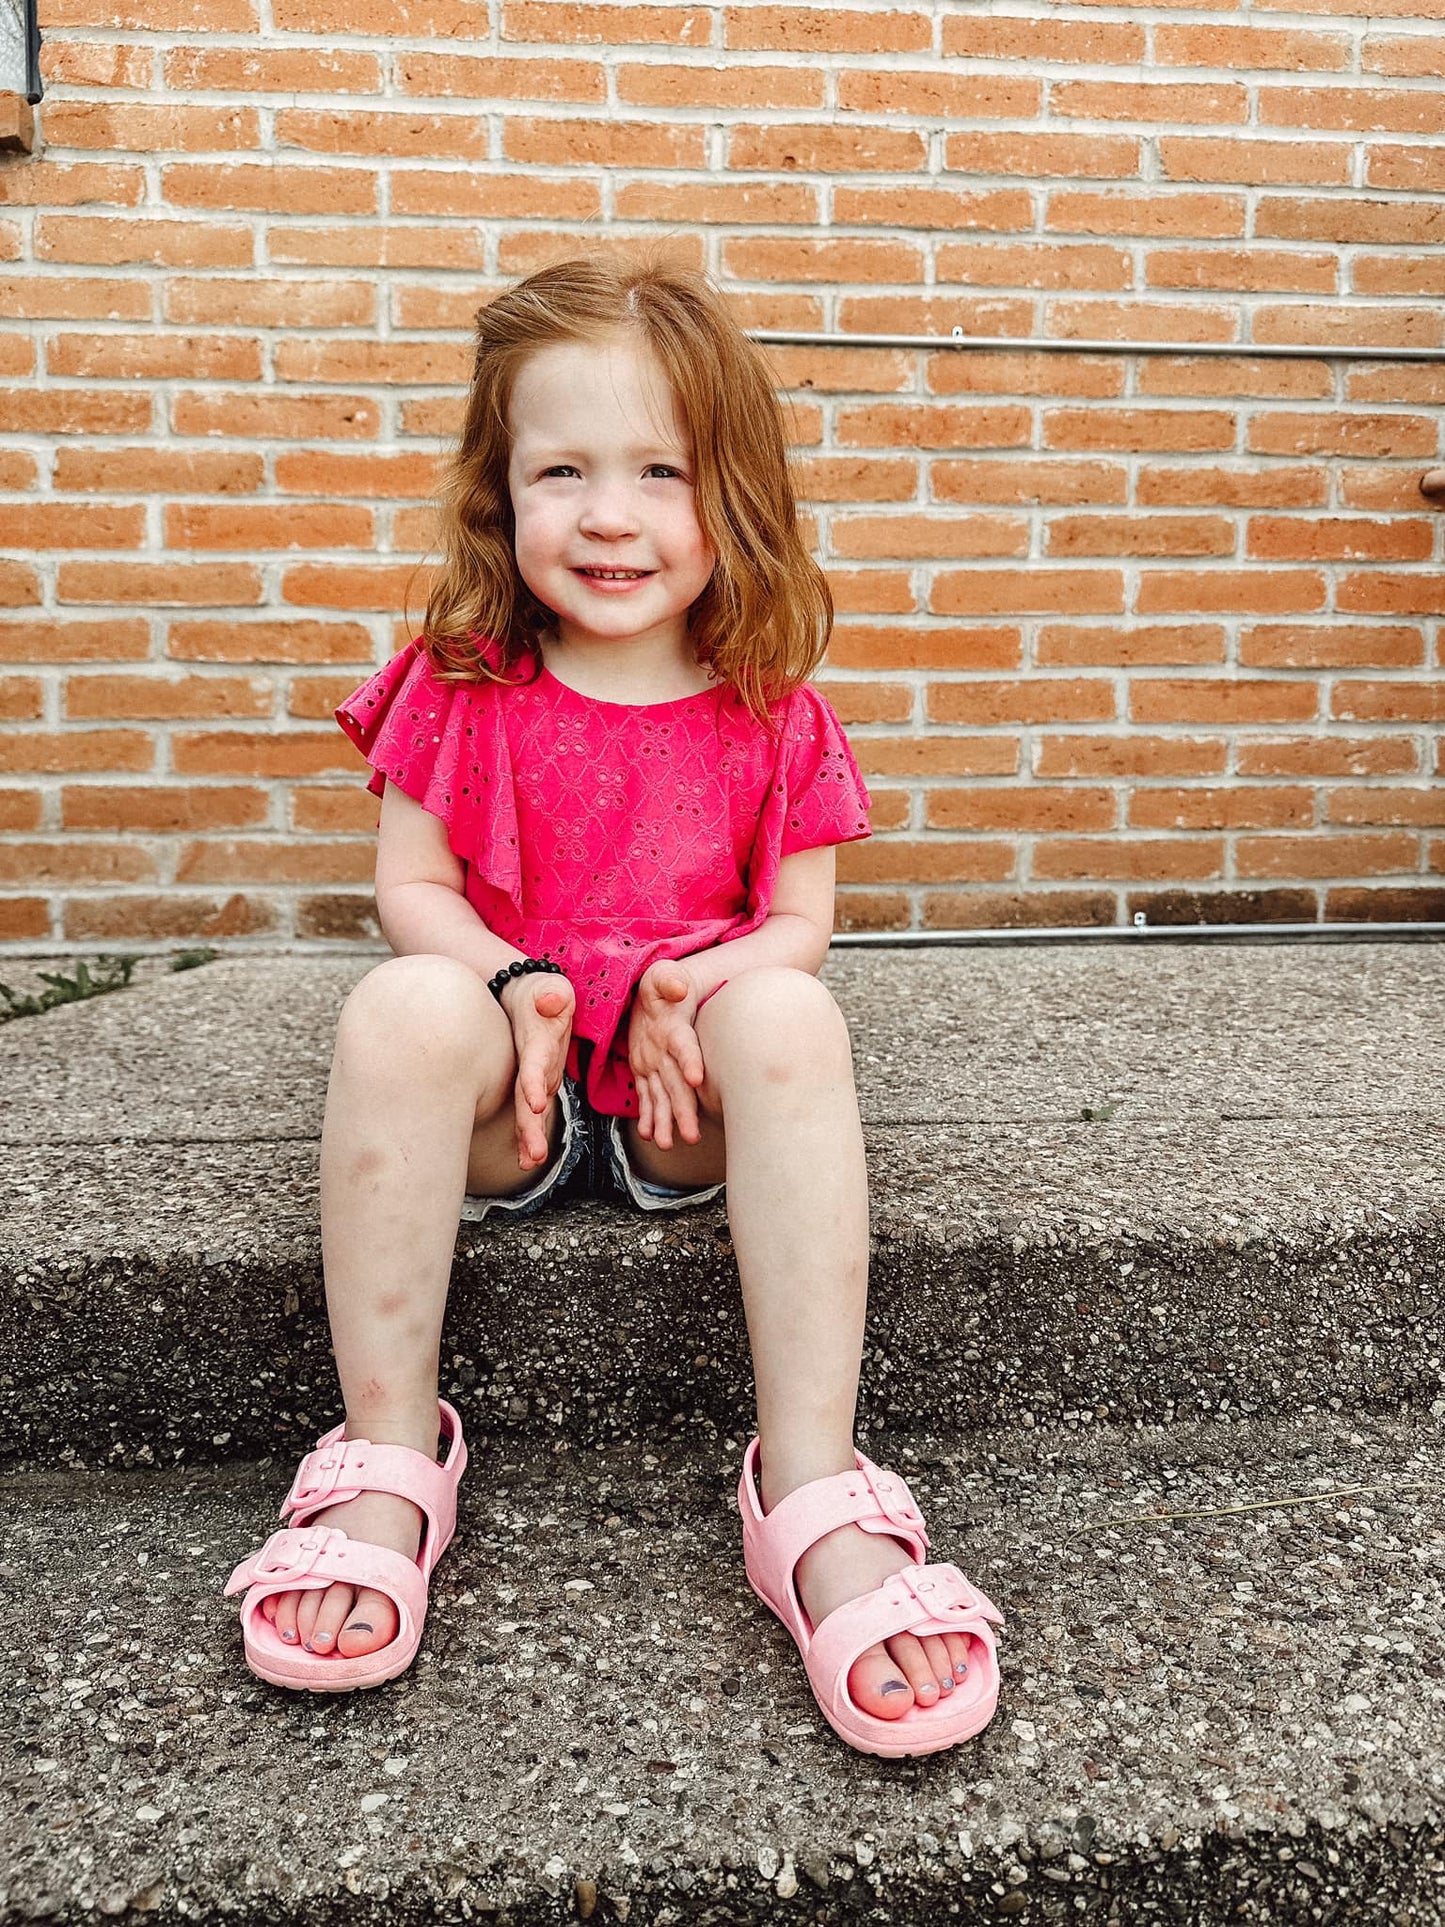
1048,344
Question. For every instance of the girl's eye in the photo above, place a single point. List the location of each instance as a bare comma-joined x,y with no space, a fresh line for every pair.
567,468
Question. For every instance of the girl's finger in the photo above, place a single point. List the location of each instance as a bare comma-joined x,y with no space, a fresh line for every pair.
644,1106
683,1101
662,1114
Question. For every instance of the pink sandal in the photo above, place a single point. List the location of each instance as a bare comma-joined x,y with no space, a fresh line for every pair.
921,1599
299,1558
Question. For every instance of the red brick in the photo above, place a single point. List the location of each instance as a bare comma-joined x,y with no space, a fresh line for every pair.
1033,264
1147,212
157,916
1348,435
1170,592
855,646
1028,482
938,96
159,808
818,30
1136,429
1225,704
1384,593
723,87
1403,904
1252,808
1041,699
1075,156
1295,50
1345,219
869,702
605,25
1325,756
1023,590
1424,807
1017,910
1389,702
906,425
1250,270
1349,325
932,755
984,371
1359,110
1140,535
1132,755
1108,43
952,209
1155,102
1331,646
1339,538
1021,811
1120,856
1233,375
802,258
926,860
871,910
1185,157
1231,488
817,149
1319,854
927,536
1063,646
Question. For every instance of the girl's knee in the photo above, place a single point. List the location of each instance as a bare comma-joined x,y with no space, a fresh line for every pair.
783,1022
423,1004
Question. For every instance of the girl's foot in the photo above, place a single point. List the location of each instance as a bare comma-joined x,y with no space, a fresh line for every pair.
888,1679
345,1619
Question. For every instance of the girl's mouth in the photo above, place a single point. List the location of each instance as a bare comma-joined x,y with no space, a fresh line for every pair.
613,581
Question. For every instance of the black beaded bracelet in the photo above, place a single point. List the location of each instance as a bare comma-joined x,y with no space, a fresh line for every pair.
520,968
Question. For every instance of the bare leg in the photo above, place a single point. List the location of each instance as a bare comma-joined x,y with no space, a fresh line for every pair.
780,1074
420,1099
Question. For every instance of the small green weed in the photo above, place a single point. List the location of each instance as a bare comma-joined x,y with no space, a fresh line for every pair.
1097,1113
111,973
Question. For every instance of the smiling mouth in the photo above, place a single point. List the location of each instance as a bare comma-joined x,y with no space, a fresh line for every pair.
615,575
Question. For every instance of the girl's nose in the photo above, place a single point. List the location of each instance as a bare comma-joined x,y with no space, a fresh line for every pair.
608,512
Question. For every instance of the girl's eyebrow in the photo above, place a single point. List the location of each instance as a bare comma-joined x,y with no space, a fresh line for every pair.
540,450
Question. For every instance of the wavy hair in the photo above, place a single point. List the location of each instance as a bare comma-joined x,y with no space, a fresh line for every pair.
763,621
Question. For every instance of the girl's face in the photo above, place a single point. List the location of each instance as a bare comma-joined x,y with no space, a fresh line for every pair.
601,478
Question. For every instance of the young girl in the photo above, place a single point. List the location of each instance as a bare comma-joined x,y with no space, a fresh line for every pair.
609,806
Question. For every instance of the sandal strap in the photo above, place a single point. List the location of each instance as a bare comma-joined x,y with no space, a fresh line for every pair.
309,1558
338,1469
919,1599
878,1501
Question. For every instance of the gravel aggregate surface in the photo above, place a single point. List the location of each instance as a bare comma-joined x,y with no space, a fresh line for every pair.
1232,1716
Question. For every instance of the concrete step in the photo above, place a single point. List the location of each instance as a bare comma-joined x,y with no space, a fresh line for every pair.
1107,1184
1228,1717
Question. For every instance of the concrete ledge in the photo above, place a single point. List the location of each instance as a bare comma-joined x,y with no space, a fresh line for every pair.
1214,1719
1252,1220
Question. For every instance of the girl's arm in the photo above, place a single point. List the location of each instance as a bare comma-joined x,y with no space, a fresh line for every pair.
419,891
797,932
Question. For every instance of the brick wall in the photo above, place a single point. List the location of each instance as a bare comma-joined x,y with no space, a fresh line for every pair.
1116,630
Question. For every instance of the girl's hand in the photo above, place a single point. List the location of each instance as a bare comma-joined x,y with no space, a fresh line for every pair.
665,1056
539,1007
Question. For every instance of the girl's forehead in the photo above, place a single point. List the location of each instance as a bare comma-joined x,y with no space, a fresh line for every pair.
604,386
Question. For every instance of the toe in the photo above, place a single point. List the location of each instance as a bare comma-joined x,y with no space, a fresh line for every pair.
285,1616
958,1645
371,1624
936,1654
330,1618
908,1653
877,1685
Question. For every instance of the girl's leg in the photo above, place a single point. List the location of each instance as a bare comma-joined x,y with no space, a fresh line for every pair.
418,1109
780,1080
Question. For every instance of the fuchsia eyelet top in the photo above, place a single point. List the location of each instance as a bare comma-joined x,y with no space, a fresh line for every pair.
607,835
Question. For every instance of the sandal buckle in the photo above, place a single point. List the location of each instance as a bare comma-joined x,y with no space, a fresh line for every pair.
322,1471
295,1552
943,1592
894,1500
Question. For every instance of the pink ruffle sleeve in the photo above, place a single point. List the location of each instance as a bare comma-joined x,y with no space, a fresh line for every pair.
828,801
444,744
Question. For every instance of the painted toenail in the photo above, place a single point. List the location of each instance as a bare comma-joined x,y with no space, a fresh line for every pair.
945,1685
323,1639
288,1635
893,1686
927,1687
309,1647
359,1626
961,1669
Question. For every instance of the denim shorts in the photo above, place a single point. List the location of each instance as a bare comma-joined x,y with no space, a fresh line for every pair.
592,1163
